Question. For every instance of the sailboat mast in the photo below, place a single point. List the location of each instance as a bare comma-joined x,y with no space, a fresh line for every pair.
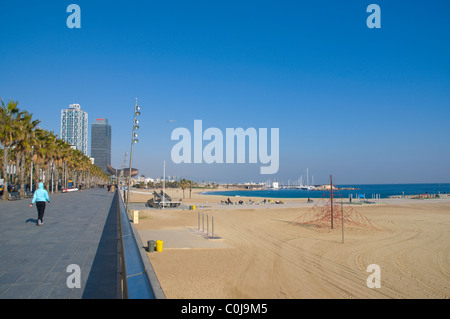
307,178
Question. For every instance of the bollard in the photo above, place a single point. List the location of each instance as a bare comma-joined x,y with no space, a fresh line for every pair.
159,245
151,246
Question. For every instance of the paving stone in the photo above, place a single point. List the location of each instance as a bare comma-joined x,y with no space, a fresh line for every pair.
77,228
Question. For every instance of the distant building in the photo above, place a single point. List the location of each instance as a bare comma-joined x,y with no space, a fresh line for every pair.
118,172
74,127
101,143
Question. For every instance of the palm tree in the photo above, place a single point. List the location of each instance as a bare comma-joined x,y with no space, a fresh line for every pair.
40,153
183,185
8,132
61,152
85,167
50,145
66,151
78,166
19,137
71,165
24,146
190,184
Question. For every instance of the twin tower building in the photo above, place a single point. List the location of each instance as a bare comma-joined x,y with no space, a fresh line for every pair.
74,131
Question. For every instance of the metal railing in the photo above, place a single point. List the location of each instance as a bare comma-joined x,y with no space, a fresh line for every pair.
138,278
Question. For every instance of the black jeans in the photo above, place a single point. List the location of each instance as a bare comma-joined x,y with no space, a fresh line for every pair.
41,209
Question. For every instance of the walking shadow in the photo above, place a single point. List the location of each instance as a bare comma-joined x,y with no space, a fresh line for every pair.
32,220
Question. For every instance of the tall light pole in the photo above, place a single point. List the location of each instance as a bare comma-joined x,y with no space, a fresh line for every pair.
133,140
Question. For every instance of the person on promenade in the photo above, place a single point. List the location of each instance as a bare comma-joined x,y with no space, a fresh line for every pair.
40,197
109,188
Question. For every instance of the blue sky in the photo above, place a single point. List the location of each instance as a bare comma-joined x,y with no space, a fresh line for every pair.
366,105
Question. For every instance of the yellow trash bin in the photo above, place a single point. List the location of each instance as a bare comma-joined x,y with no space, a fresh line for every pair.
159,245
193,207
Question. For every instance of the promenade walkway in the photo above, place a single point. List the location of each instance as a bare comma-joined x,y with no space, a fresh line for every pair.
79,228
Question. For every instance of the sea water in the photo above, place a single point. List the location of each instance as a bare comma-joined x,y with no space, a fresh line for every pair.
367,191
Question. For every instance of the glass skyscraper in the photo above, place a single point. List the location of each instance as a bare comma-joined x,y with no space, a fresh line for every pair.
101,143
74,127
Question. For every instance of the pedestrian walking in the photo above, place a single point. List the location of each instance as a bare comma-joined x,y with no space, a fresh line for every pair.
40,197
109,188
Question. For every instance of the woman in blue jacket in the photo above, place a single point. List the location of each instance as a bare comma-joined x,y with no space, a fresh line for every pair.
40,197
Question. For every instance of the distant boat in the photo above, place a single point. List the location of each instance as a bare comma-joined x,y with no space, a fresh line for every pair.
306,187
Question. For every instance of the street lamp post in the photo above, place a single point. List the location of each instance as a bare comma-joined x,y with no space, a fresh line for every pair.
133,140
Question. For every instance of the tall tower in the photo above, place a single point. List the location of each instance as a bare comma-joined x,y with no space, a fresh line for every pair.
101,143
74,127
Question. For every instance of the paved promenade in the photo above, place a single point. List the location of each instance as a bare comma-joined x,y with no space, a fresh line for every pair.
79,229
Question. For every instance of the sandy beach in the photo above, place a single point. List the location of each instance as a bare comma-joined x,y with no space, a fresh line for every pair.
257,252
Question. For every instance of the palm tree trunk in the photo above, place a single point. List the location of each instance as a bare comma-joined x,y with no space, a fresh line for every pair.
22,174
56,177
5,173
38,175
64,175
47,176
